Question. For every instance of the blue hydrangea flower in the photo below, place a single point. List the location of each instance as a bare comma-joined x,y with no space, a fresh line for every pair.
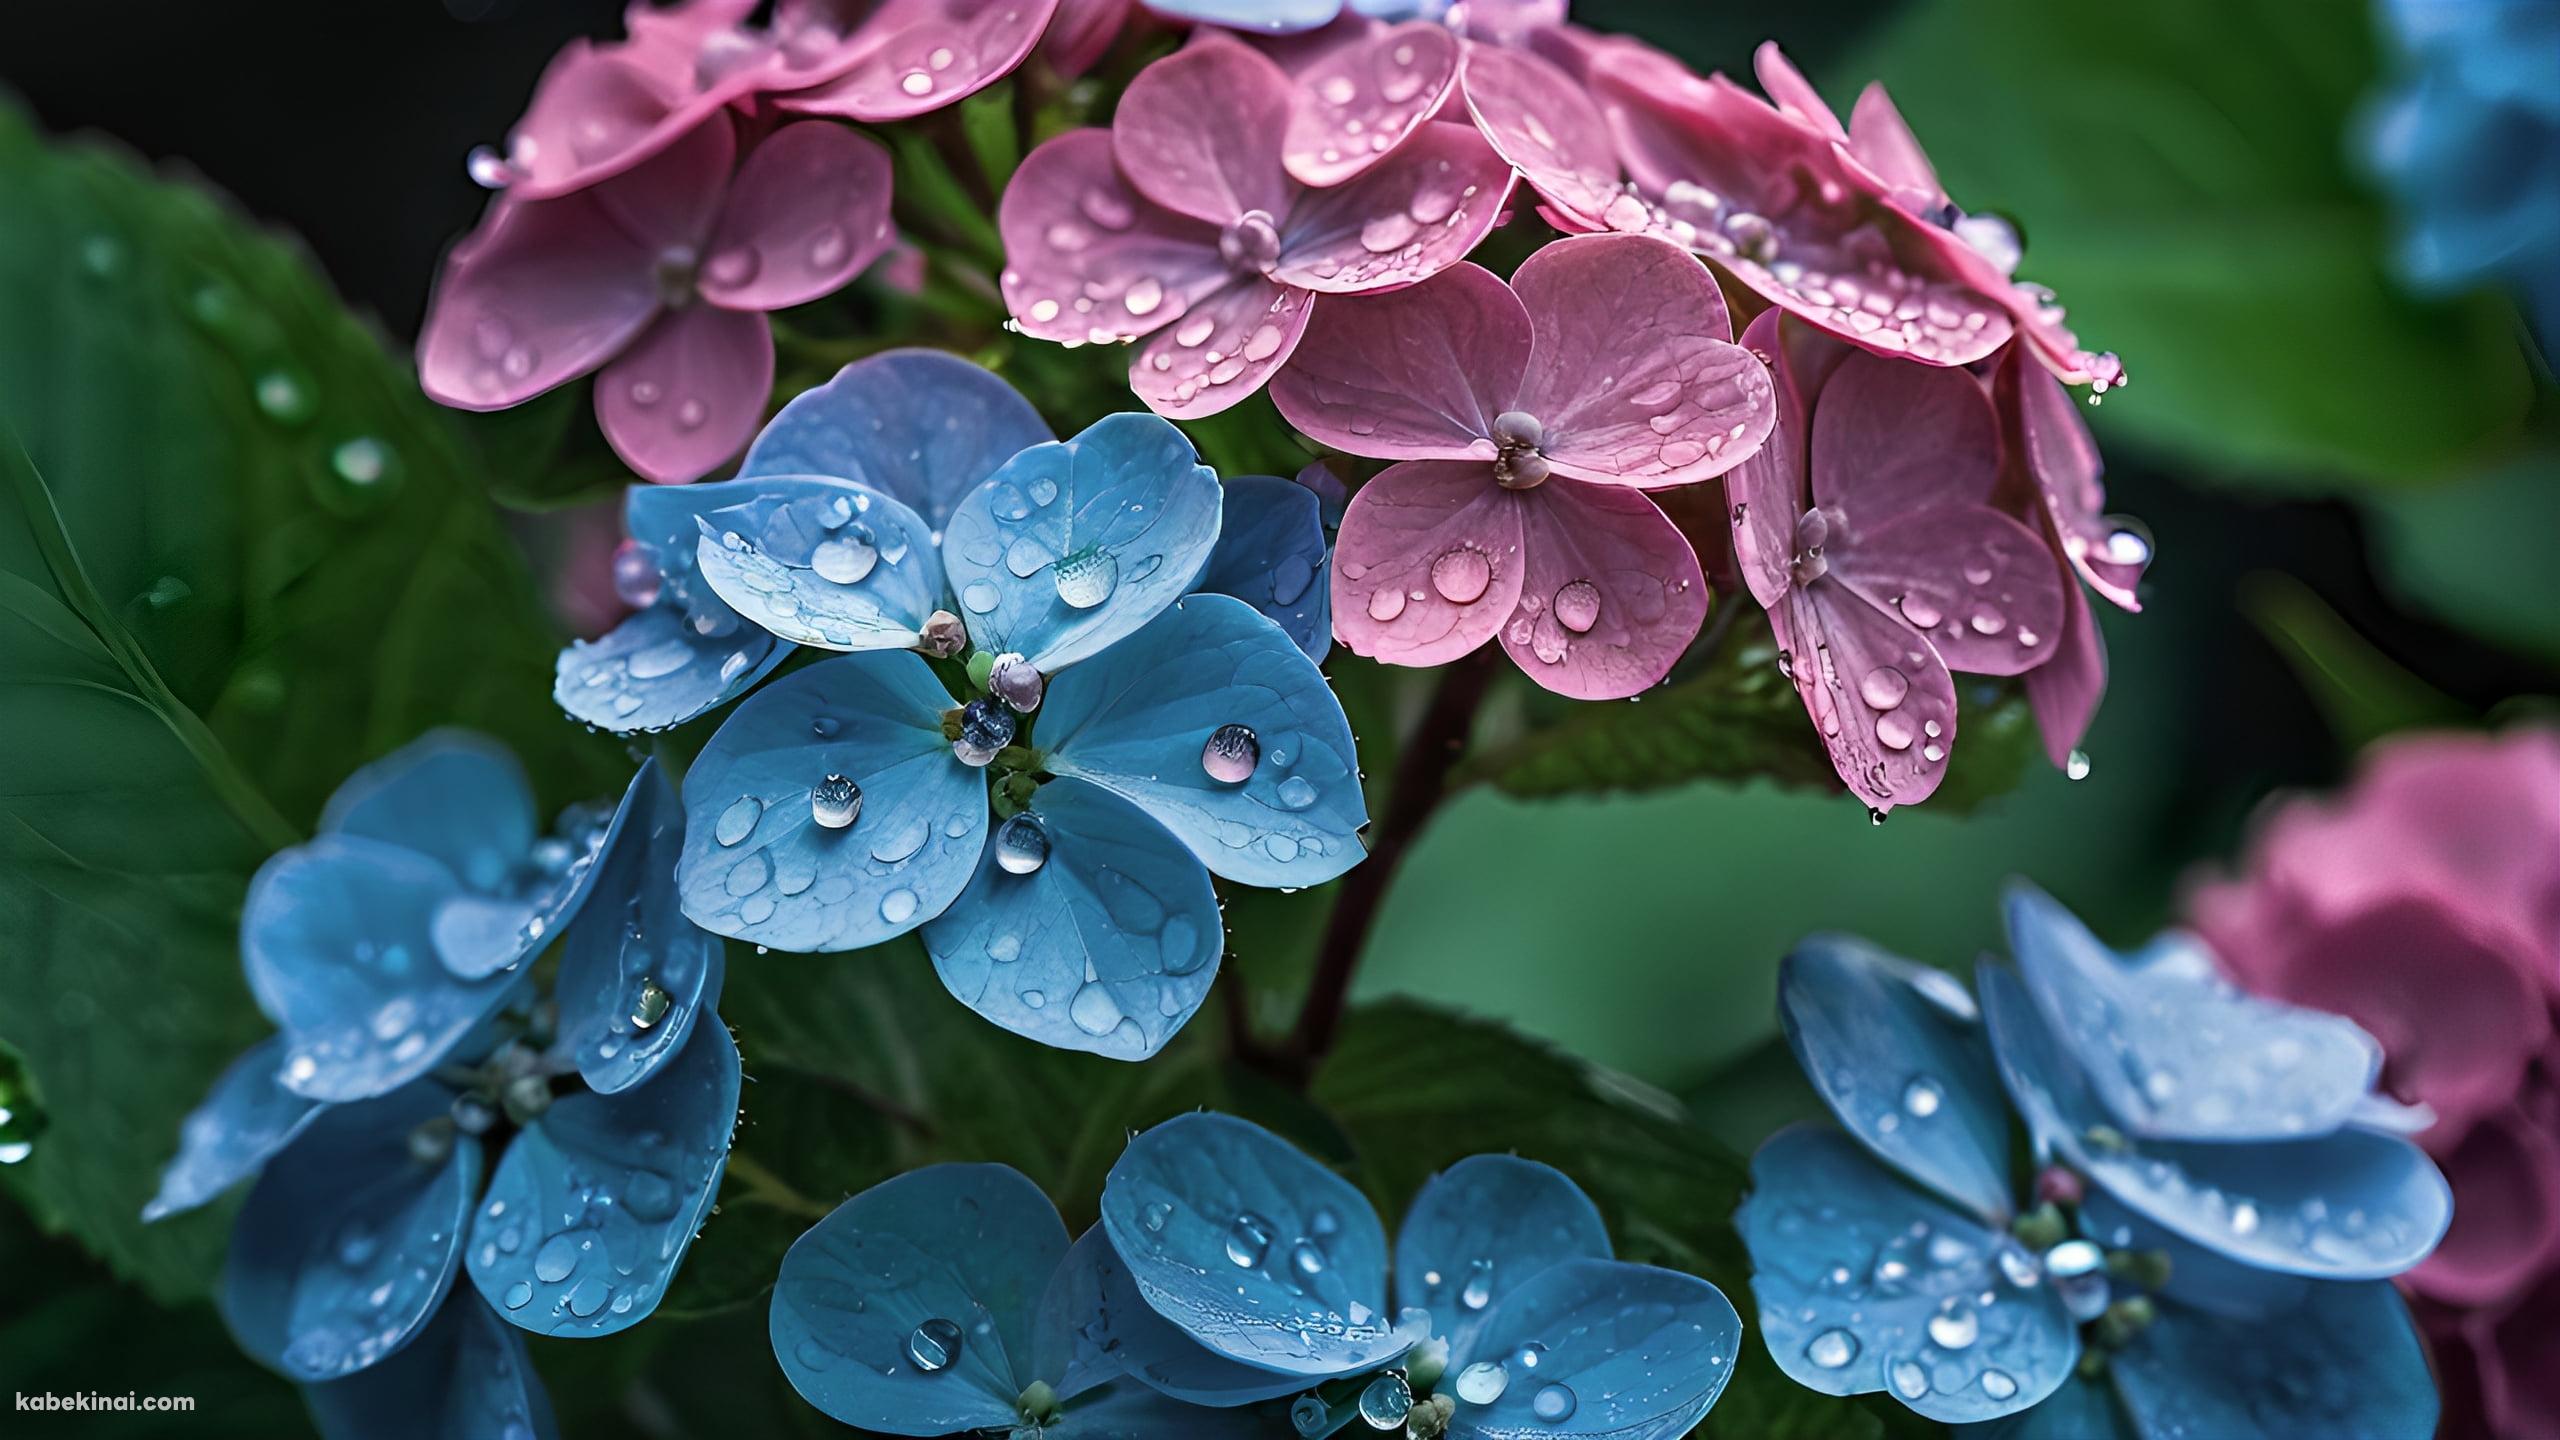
2235,1213
2469,144
942,1302
1231,1269
1275,553
1139,738
371,1121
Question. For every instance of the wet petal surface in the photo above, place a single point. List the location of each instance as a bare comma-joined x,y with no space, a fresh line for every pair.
656,670
1405,219
242,1122
1599,1348
2347,1364
1610,592
1360,101
1880,697
823,562
452,795
1272,554
808,211
634,972
924,426
1412,374
1480,1230
466,1376
687,395
1428,564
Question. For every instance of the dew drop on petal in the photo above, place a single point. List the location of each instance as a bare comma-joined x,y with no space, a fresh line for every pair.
935,1345
1231,754
835,802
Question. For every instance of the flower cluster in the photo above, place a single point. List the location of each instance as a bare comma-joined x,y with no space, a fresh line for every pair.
1231,1272
423,1110
2425,904
2207,1244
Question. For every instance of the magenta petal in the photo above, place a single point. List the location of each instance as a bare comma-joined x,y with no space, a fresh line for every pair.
907,57
1543,124
543,292
671,201
1222,351
1633,374
1357,102
1428,564
1891,437
598,111
2060,457
1883,142
2506,1215
1982,587
1881,699
1082,31
1086,258
690,394
808,212
1407,218
2064,691
1610,592
1794,95
1199,132
1511,22
1413,374
1767,490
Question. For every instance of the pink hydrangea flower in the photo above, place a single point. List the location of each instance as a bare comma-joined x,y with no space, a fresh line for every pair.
1365,87
1529,419
1179,227
1845,227
659,278
1866,527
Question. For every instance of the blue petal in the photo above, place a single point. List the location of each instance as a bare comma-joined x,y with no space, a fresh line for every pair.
1272,555
921,425
655,670
1066,1337
1136,720
2198,1277
244,1121
1896,1051
466,1378
2351,1205
1601,1348
338,941
1278,17
1852,1265
1255,1250
347,1244
823,562
2080,1410
1480,1229
1115,1330
970,1247
454,795
757,865
1076,543
2346,1364
1130,1411
633,935
1109,946
592,1207
2178,1052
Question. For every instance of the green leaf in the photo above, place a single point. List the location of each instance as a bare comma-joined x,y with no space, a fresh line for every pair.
2197,210
2364,693
2477,552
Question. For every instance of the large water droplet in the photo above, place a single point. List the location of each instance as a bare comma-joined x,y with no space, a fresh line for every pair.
835,802
738,821
1386,1403
650,1004
1478,1292
1231,754
1956,1328
1832,1349
1553,1404
1884,687
1462,575
1483,1383
1248,1240
1922,1097
1022,845
844,559
935,1345
557,1257
1578,606
986,727
1087,577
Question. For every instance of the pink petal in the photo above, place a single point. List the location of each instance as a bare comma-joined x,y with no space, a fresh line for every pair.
1359,101
670,201
2526,1401
1767,490
1542,123
1794,94
1891,437
1222,350
1082,32
2506,1214
598,111
690,394
1087,259
1511,22
1883,143
543,292
1633,374
1200,131
808,212
1405,219
2065,690
1427,564
1982,587
907,57
2059,457
1417,373
1610,594
1881,699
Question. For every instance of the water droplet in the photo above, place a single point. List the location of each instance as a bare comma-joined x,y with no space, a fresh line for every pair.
1884,687
1956,1328
650,1005
1022,846
557,1257
1832,1349
2077,766
519,1295
1094,1010
1231,754
835,802
899,906
1577,606
1248,1240
844,559
1909,1380
636,581
1922,1097
1483,1383
1386,1403
1998,1385
1553,1404
732,267
986,727
1478,1292
1087,577
980,597
1385,603
1156,1213
738,821
488,169
917,83
934,1345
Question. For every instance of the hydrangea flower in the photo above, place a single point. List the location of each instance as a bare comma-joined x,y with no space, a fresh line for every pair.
370,1158
657,279
2236,1211
1365,88
1275,553
941,1302
1180,227
1866,528
1526,432
1230,1268
1139,737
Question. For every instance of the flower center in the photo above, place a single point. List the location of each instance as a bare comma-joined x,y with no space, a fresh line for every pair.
1517,462
677,267
1251,243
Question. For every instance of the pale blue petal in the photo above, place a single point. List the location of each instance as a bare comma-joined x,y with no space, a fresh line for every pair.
921,425
1272,555
2346,1364
1896,1050
338,941
1600,1349
1074,544
967,1246
1276,17
1116,1332
1137,719
1480,1229
655,670
2351,1205
466,1378
2202,1278
2080,1410
454,795
1109,946
1066,1336
823,562
245,1119
1868,1283
1255,1250
592,1207
2176,1051
756,863
1130,1411
348,1243
631,936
